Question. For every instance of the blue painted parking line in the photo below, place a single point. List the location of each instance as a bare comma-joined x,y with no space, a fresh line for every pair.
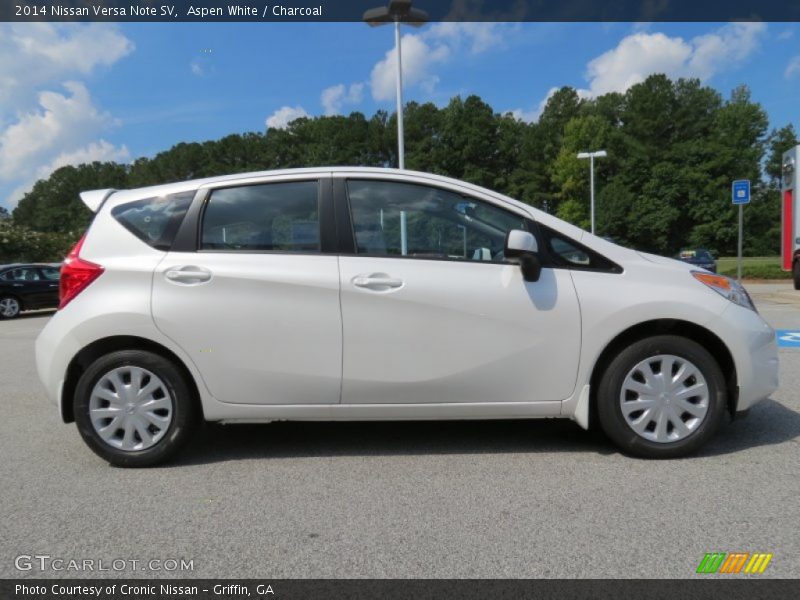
788,338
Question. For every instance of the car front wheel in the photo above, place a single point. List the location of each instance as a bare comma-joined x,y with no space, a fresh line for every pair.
796,274
662,397
134,408
9,307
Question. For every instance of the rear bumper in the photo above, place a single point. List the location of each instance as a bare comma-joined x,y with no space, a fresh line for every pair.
55,348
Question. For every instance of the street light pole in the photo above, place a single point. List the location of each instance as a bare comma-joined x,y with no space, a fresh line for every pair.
401,148
398,11
591,156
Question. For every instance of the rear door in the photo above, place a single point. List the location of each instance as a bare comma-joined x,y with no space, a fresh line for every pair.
255,302
51,277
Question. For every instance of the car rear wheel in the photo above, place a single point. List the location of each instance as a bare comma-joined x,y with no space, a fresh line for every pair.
662,397
134,408
796,274
9,307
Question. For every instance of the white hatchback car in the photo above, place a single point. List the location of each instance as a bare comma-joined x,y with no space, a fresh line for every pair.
377,294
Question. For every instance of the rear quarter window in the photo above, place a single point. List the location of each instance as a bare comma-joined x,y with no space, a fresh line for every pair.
155,221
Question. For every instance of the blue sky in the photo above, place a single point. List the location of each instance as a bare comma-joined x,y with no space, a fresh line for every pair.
71,93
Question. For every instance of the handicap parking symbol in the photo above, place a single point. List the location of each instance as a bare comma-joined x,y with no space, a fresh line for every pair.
788,338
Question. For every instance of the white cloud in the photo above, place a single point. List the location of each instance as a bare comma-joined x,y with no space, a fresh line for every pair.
533,115
336,96
100,150
642,54
793,68
34,54
786,34
478,36
62,122
417,56
726,48
196,68
422,52
281,118
42,129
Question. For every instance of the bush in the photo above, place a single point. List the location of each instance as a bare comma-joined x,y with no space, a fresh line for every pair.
19,244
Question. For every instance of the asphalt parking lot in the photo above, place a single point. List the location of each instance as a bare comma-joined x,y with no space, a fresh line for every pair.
426,500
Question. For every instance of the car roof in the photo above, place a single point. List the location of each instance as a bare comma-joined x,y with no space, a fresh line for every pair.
113,198
116,197
193,184
22,265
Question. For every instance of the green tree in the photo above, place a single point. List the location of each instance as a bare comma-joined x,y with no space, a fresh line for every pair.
54,205
674,146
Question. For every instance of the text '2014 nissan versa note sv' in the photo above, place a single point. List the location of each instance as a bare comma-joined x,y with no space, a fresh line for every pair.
377,294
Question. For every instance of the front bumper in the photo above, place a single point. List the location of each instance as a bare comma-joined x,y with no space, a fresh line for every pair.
752,344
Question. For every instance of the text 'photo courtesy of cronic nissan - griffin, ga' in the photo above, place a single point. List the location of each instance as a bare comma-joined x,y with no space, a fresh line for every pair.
380,294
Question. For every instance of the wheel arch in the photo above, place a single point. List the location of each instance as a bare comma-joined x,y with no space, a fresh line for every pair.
687,329
16,297
104,346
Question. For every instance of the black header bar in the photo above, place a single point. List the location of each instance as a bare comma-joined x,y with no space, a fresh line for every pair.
172,11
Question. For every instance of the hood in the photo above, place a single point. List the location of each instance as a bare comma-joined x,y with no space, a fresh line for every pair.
663,260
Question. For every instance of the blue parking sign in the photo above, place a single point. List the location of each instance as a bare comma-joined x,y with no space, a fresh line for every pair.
740,191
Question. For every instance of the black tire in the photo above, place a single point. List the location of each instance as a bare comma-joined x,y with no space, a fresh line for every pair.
610,388
796,274
185,413
16,301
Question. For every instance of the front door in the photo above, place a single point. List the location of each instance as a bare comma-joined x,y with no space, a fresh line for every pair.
433,313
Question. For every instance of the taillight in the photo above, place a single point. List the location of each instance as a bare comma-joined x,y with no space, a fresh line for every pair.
76,275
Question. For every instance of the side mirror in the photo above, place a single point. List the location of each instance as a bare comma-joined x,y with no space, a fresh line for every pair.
522,246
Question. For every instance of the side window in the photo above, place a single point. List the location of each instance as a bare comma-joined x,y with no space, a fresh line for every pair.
155,221
566,252
403,219
51,273
21,275
270,217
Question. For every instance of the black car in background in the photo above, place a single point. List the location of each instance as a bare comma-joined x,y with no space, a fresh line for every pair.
27,287
699,258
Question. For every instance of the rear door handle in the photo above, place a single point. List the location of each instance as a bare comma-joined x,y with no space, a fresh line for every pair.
378,282
189,275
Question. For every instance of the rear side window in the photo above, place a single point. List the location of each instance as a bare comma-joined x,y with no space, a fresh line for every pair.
155,221
25,274
51,273
278,217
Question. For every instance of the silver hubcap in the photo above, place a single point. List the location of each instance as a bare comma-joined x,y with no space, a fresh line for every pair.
9,307
130,408
664,398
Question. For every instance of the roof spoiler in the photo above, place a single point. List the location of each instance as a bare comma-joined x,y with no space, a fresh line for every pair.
95,198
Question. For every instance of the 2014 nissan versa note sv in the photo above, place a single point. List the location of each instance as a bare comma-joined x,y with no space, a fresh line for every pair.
377,294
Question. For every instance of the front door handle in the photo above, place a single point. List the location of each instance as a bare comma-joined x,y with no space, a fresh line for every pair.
379,282
189,275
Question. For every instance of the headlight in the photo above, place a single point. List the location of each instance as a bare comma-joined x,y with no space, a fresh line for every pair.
727,287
